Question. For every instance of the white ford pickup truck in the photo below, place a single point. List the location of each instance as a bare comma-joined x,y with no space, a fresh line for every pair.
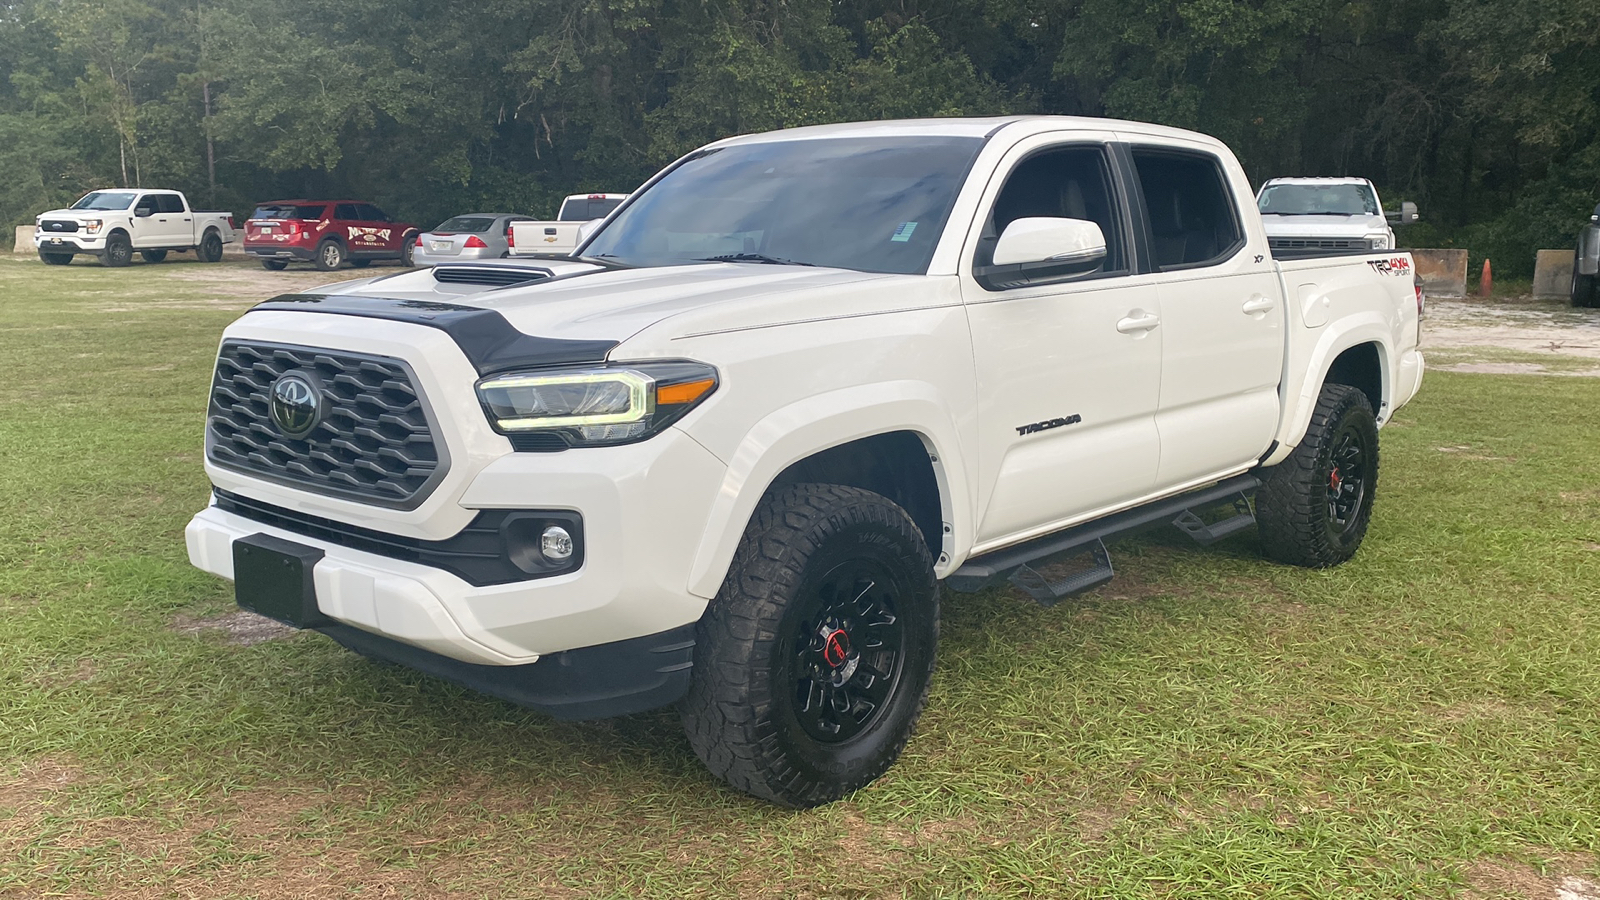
727,455
112,224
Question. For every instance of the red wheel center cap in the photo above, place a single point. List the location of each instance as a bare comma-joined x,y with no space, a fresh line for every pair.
1334,480
836,648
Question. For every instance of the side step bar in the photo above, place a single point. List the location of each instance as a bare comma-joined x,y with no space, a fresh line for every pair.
1090,537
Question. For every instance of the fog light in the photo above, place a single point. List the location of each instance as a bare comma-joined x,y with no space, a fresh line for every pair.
555,543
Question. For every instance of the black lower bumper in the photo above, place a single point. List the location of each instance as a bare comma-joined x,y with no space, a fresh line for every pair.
588,683
281,251
67,245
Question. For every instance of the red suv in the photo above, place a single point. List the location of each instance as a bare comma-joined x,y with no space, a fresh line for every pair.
325,232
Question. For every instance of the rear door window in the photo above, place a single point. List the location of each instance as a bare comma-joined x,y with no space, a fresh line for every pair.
346,212
1193,220
288,211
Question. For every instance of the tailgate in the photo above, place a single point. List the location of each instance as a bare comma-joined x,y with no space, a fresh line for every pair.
544,237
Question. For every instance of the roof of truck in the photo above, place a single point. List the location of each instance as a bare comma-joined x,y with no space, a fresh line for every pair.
977,127
1319,179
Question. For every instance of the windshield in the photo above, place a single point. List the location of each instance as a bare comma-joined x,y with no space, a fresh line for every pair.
1318,200
106,200
288,211
465,225
869,204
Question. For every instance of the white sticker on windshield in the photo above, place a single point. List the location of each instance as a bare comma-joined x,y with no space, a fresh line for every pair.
903,233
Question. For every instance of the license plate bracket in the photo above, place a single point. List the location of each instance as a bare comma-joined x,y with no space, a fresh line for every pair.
273,577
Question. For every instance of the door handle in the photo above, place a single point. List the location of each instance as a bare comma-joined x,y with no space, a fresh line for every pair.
1138,321
1259,304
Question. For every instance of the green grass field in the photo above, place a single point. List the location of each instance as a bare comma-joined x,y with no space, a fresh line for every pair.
1421,722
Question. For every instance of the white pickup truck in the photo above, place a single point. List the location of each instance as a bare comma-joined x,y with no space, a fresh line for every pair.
112,224
727,454
535,238
1328,214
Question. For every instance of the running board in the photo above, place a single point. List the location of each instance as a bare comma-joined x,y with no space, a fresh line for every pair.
981,571
1049,593
1206,534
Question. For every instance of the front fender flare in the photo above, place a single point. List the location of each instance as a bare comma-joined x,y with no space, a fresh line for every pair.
808,426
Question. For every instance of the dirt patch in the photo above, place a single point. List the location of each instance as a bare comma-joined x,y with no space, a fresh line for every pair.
1493,879
1519,326
240,627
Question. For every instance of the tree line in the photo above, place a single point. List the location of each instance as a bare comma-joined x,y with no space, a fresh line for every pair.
1484,112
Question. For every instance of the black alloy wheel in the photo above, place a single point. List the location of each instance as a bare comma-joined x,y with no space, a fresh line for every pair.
210,249
812,664
119,251
1315,506
330,256
274,265
847,651
1347,482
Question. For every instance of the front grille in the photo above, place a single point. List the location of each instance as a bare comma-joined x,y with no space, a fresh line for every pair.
58,226
374,442
494,276
1318,243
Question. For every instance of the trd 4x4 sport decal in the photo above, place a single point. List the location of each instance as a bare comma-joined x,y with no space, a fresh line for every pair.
1399,265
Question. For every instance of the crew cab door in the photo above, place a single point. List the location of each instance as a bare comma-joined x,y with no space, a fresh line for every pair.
1222,313
146,227
1069,373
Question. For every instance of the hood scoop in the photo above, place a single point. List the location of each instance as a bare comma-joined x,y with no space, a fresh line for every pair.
490,276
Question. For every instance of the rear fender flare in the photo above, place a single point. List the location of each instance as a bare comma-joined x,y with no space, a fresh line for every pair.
817,423
1350,331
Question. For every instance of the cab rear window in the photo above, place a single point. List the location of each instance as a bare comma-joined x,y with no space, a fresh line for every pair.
287,211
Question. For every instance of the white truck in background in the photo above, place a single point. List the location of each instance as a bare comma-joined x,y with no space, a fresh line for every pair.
114,224
1328,214
725,454
535,238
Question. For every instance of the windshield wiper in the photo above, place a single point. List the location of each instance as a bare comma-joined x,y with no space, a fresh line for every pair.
755,258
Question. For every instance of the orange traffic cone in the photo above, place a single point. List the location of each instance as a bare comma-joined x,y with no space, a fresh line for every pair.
1486,280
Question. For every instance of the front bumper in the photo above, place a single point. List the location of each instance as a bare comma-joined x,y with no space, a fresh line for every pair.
72,242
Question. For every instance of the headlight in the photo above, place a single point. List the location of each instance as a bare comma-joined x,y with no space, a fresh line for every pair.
92,225
1378,241
558,409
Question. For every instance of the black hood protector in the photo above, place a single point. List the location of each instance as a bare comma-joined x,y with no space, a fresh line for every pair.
487,339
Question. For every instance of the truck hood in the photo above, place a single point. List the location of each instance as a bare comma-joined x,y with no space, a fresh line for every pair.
586,301
1324,226
79,214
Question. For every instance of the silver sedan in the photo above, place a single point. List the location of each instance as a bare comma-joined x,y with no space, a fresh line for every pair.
473,236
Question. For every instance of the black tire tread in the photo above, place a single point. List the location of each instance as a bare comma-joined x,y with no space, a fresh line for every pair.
1291,503
722,713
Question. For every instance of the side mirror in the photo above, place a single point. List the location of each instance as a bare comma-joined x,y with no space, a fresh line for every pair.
1406,216
144,212
1043,250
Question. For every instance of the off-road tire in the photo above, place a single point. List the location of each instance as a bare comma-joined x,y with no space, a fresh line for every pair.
1585,289
274,265
153,256
330,255
119,251
56,259
772,632
210,249
360,263
1298,500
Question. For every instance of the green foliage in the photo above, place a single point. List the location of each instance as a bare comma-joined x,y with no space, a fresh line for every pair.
1486,113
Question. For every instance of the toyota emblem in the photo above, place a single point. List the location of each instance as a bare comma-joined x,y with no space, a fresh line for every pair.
296,405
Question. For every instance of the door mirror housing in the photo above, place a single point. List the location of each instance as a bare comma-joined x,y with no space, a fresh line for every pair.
144,212
1406,216
1042,250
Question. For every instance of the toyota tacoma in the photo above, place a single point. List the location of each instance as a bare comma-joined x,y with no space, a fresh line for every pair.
800,389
